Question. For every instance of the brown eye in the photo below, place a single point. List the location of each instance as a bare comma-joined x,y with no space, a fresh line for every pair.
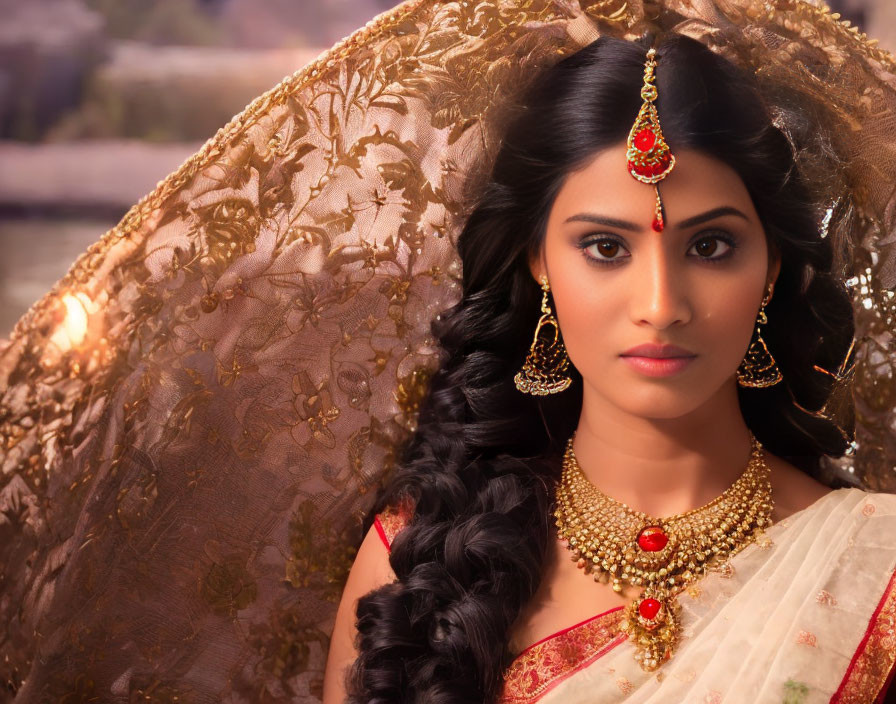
603,251
608,248
708,248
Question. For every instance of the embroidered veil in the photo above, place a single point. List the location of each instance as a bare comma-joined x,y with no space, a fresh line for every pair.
194,419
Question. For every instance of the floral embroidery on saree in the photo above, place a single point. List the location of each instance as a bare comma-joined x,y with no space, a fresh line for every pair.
795,692
546,663
826,598
807,638
873,664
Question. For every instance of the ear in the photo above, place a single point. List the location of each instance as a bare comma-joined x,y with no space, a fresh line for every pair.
537,267
774,268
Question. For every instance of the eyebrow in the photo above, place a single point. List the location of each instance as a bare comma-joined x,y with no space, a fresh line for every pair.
626,225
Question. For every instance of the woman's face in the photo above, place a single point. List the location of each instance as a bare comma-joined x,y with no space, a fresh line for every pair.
616,283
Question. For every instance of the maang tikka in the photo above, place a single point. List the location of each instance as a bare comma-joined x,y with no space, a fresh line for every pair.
648,155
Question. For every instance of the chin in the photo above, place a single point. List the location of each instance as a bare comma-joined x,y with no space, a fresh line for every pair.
647,399
660,411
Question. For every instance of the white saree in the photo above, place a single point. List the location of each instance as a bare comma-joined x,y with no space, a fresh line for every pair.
805,615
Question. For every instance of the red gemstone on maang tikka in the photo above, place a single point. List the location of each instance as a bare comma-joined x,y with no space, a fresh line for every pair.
649,608
652,539
658,225
644,140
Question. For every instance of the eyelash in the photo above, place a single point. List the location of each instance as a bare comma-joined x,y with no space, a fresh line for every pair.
586,243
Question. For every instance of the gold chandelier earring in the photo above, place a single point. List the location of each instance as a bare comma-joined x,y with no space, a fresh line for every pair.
545,369
758,369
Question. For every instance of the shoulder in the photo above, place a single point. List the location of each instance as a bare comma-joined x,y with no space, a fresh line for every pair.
370,570
792,489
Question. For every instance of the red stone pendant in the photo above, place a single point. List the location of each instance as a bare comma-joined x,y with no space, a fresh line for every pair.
654,626
644,140
652,539
648,155
649,608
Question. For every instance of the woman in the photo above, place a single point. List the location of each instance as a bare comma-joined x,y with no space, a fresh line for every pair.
194,419
473,574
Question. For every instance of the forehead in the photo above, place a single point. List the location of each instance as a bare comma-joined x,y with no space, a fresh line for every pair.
696,184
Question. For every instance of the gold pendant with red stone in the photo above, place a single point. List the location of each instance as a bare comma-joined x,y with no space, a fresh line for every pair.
649,157
652,620
656,547
653,539
653,624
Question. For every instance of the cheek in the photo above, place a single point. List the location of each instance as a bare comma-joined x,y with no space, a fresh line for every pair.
727,319
583,300
590,319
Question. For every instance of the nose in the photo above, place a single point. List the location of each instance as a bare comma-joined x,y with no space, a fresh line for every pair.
658,290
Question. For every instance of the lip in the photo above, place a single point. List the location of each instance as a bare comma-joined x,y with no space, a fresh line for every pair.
653,351
658,360
659,366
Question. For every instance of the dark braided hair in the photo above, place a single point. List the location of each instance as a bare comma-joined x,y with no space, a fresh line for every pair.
482,465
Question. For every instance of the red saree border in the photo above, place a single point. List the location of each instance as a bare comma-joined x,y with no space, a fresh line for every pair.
568,629
378,524
545,664
871,670
390,522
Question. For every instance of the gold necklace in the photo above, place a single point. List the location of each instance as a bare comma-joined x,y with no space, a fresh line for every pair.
664,555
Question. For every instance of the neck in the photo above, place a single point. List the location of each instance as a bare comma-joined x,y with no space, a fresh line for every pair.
663,466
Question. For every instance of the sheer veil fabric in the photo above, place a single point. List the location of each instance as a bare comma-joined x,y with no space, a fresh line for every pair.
194,419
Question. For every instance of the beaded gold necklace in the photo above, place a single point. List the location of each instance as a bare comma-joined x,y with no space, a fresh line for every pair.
663,555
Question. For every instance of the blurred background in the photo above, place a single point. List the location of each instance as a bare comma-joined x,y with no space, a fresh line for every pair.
100,99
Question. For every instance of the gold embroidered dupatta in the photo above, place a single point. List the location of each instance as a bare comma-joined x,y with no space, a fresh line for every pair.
806,615
193,420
